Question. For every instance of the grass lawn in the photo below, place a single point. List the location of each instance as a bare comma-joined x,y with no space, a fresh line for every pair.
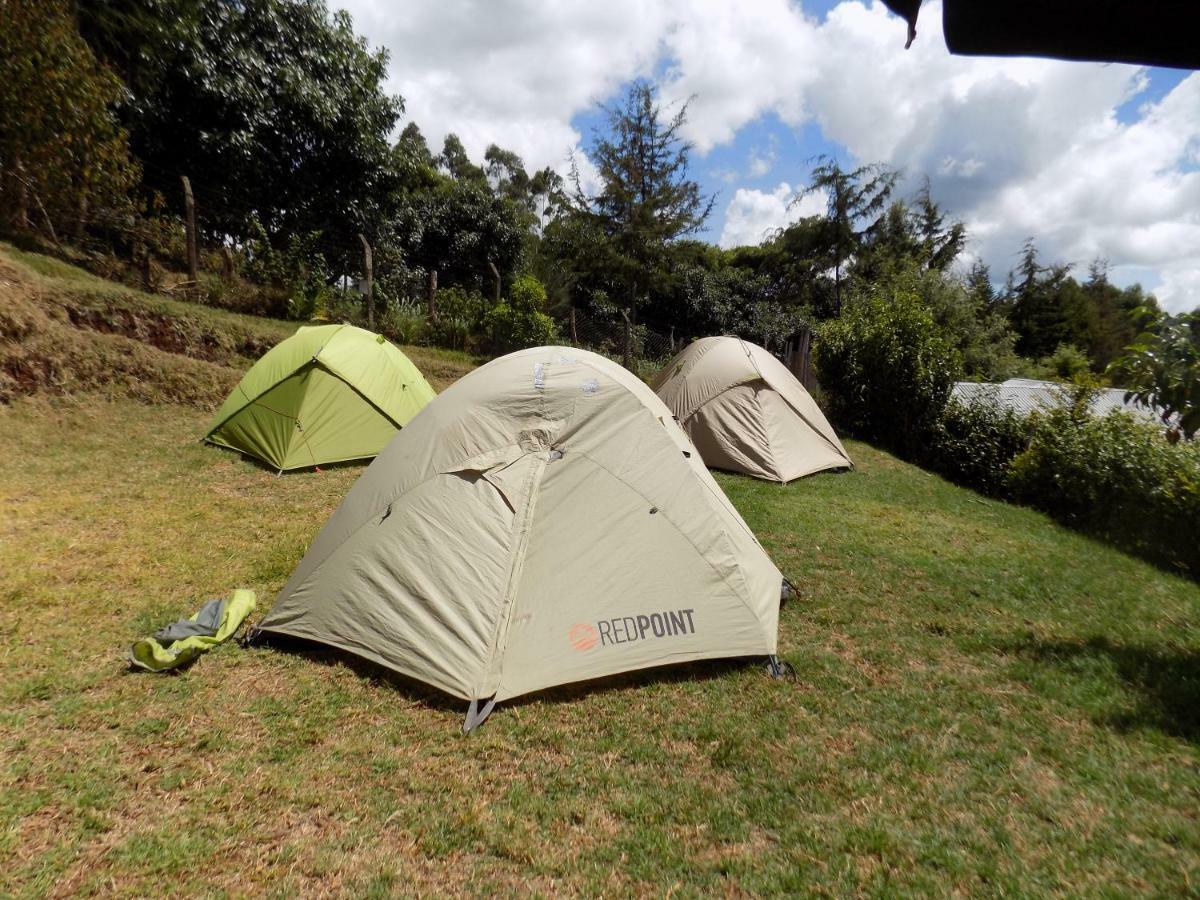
985,703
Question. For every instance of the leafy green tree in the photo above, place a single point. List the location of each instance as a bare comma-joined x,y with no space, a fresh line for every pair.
646,199
62,151
506,174
794,261
980,335
520,322
855,200
460,229
979,285
412,149
274,108
1162,367
719,299
1067,362
886,368
454,161
891,245
1114,322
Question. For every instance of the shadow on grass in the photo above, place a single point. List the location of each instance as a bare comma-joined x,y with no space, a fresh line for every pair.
700,670
244,456
1164,682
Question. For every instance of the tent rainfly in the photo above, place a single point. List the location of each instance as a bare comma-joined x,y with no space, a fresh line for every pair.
544,521
745,412
327,394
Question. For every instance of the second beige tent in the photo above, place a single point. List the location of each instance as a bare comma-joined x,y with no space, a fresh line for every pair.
745,412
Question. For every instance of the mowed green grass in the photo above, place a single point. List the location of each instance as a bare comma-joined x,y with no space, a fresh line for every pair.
985,703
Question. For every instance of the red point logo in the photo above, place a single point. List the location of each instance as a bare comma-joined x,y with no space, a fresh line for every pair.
582,636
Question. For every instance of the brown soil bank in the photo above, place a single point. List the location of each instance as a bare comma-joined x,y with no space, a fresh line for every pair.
63,331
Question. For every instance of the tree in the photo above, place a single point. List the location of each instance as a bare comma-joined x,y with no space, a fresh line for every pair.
1035,304
274,108
646,199
62,151
890,245
887,369
979,285
460,229
454,161
854,202
940,243
980,335
1162,367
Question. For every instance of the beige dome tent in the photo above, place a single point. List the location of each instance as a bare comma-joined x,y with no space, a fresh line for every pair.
543,521
745,412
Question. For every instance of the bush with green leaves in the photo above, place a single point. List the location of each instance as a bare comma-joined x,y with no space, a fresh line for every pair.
1115,477
974,442
887,370
1067,361
1162,367
520,322
461,316
404,323
297,274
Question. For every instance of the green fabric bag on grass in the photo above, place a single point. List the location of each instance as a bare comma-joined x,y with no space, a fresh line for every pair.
184,641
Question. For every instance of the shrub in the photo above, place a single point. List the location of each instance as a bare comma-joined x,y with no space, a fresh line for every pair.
887,370
461,315
299,271
1117,478
520,323
974,443
1067,361
509,329
403,322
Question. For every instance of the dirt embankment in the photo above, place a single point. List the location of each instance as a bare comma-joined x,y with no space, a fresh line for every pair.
60,335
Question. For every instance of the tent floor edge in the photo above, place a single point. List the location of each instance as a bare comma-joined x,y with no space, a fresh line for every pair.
477,714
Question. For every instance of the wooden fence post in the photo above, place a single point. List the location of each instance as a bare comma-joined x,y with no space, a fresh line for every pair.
368,267
574,333
628,352
495,275
193,256
227,263
431,295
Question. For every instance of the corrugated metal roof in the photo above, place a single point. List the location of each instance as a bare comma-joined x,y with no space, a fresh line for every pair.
1027,395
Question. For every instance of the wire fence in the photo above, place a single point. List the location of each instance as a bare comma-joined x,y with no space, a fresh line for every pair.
638,346
149,250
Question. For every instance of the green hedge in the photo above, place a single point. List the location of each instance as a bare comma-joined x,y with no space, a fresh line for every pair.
886,370
974,443
1114,476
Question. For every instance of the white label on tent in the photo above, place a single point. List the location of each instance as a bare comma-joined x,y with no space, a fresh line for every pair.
591,386
539,375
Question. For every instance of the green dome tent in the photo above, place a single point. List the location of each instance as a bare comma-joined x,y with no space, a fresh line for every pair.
327,394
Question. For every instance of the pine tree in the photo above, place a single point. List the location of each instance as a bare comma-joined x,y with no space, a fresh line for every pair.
646,199
851,198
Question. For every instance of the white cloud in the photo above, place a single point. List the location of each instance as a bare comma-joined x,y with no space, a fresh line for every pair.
753,216
512,73
762,160
1016,147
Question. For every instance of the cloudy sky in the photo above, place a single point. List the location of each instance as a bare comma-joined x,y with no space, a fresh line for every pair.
1092,160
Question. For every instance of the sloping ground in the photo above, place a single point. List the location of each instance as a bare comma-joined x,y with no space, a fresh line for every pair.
63,331
986,704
